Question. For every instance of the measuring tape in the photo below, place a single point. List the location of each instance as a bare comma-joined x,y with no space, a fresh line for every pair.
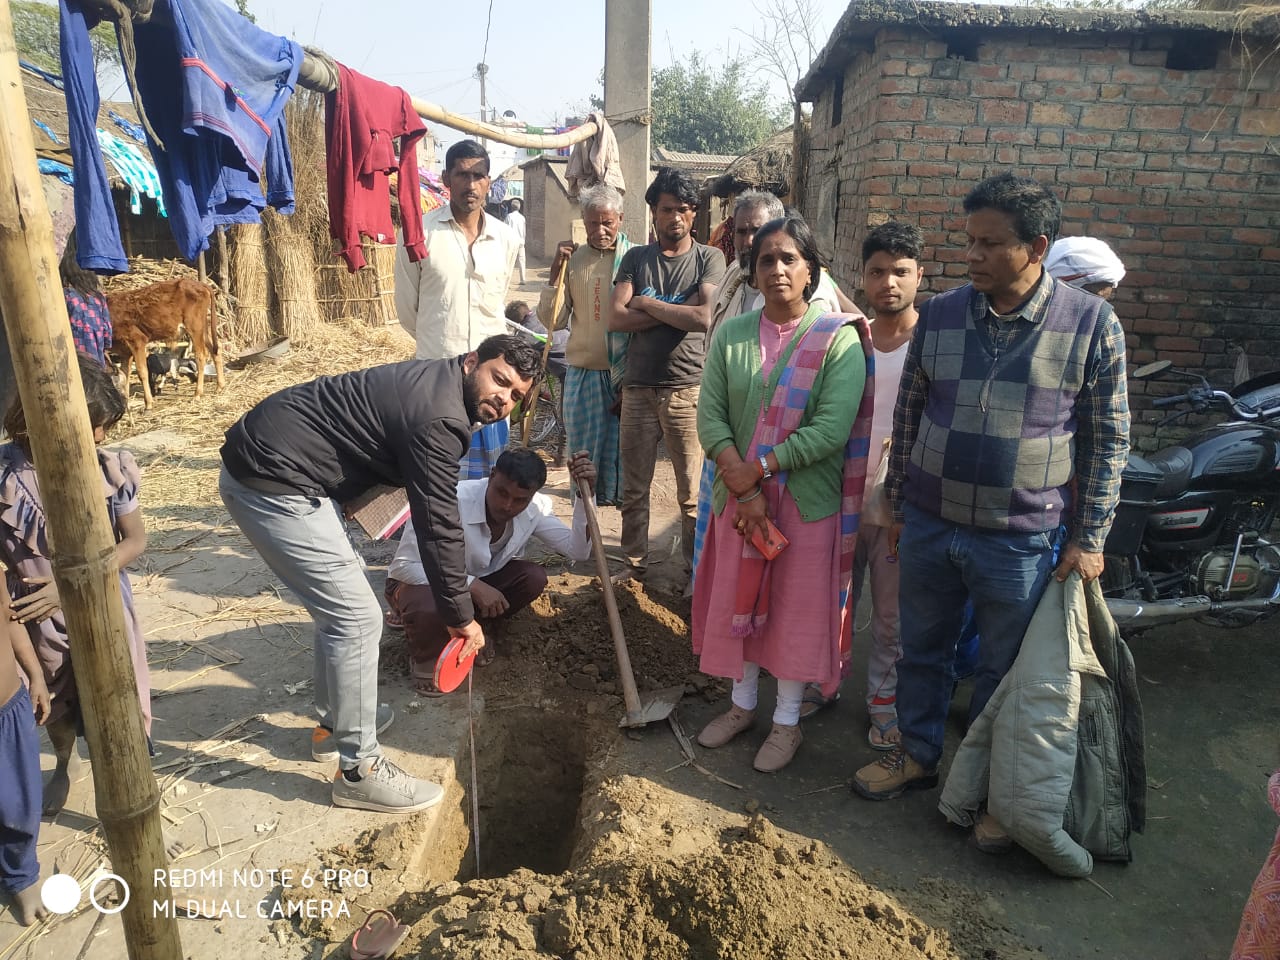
475,789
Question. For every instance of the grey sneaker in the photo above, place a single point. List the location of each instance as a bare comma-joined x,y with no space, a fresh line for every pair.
322,746
385,788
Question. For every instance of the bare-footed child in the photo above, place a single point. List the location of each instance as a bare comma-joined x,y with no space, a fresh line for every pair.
21,708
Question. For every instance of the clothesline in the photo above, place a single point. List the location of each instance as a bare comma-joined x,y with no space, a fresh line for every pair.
318,73
218,135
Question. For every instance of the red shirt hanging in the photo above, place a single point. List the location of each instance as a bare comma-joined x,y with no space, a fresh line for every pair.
361,119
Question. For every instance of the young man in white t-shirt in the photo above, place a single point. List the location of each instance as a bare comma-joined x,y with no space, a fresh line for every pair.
891,275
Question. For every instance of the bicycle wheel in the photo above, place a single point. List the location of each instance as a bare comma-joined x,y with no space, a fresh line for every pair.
546,420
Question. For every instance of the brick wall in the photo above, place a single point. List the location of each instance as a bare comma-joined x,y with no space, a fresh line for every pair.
1179,170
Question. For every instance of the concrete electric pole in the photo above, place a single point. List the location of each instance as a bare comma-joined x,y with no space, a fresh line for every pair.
482,71
627,82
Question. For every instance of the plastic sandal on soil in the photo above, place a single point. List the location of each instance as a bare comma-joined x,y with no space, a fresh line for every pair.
378,937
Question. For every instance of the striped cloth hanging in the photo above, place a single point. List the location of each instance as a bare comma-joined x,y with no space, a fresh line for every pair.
136,168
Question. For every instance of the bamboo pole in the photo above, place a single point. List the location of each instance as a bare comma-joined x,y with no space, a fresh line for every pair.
317,73
84,554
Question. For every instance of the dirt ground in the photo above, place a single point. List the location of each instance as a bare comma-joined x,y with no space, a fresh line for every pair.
598,843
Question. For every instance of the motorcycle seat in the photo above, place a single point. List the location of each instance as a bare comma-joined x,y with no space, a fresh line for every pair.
1172,465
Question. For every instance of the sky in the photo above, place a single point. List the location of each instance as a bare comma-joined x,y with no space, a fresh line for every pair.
544,58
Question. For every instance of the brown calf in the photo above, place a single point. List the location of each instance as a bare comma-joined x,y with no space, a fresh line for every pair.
153,314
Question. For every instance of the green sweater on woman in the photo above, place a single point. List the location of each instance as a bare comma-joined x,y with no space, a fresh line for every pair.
733,392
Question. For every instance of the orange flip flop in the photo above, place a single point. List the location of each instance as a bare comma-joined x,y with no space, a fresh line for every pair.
378,937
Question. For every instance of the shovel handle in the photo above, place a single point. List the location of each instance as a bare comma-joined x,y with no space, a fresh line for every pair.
630,696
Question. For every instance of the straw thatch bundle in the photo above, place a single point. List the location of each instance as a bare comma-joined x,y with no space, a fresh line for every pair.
249,283
291,269
767,167
367,294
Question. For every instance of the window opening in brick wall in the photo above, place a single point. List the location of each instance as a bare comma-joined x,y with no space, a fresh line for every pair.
837,100
1192,53
962,46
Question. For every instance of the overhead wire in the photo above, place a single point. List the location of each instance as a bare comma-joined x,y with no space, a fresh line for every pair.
484,57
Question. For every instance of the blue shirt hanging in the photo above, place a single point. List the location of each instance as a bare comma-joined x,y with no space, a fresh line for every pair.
214,87
98,245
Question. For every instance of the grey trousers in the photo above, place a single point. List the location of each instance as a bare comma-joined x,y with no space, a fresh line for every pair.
650,415
303,541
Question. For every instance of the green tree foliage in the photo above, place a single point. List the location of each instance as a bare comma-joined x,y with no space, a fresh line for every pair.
702,108
35,30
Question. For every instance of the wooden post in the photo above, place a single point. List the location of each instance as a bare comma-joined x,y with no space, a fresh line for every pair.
84,551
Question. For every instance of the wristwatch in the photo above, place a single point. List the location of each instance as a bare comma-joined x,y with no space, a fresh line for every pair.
765,472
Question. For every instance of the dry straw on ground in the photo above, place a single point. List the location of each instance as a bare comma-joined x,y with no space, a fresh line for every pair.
334,348
189,476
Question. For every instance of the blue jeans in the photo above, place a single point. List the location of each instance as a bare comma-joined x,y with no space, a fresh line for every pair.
941,565
304,542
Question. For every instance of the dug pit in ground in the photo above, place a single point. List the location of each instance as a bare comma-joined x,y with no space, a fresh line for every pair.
581,859
663,876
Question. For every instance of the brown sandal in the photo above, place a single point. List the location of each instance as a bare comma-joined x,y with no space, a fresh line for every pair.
422,674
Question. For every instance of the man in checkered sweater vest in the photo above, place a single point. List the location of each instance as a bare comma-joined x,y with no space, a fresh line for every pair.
1012,421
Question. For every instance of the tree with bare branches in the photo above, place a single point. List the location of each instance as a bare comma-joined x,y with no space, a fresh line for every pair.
784,41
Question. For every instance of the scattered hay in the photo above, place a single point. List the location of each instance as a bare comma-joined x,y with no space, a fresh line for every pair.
144,272
332,348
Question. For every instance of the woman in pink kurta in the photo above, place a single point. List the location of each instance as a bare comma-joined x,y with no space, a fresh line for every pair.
1259,936
787,386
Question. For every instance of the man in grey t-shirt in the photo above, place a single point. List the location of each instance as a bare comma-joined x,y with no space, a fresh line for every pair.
662,296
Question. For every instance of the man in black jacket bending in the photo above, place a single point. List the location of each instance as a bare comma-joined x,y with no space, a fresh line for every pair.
289,461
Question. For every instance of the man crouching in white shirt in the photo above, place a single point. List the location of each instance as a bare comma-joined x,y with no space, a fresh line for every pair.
499,516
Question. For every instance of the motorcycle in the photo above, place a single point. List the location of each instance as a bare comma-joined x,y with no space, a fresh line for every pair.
1189,540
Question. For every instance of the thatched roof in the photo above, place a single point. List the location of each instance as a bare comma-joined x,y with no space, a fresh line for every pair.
47,104
767,167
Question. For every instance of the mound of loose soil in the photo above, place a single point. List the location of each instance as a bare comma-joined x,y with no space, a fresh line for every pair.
660,875
758,894
567,631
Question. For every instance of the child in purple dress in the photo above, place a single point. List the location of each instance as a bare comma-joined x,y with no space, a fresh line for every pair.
24,549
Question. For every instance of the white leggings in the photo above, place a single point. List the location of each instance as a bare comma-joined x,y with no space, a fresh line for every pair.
746,692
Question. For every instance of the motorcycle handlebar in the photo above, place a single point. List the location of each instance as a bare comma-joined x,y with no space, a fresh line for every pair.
1200,399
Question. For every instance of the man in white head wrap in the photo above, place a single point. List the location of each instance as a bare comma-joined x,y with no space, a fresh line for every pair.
1086,263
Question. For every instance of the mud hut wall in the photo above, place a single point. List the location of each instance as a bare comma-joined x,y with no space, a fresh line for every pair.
1176,169
841,148
536,185
145,235
549,211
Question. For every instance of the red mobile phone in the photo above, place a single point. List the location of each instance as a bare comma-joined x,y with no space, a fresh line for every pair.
771,543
